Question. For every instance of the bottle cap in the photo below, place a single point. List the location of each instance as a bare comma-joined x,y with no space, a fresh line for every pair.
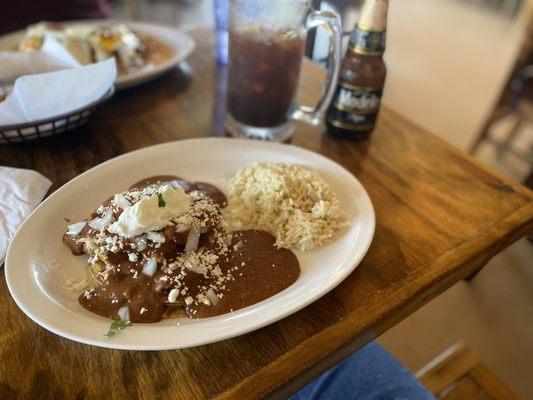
374,15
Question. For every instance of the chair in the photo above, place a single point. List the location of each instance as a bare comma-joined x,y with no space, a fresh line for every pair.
515,100
458,374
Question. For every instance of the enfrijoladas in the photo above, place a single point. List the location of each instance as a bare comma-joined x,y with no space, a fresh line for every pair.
162,249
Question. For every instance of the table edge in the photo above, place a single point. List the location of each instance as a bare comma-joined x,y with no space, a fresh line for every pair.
462,260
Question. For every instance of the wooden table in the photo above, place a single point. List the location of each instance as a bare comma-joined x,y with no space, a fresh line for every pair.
441,216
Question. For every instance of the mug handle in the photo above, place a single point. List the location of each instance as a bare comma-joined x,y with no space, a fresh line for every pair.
332,22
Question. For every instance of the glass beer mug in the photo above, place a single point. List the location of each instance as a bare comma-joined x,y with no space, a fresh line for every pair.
266,45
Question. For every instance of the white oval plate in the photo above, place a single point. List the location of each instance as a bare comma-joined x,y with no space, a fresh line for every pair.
38,263
181,44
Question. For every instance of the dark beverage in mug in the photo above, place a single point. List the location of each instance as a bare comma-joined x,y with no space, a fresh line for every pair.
263,76
266,43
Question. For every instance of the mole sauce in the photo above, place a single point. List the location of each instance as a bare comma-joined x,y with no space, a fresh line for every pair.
255,268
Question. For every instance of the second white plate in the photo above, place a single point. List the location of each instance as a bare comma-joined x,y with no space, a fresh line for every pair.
180,43
38,263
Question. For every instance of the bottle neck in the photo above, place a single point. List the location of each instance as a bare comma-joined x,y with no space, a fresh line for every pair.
368,37
367,42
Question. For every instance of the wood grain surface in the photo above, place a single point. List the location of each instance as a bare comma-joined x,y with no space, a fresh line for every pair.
440,216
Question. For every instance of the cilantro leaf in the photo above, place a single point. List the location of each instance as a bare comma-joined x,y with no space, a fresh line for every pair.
161,201
117,325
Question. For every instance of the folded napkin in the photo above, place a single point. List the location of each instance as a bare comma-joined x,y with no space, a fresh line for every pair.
21,190
51,57
41,96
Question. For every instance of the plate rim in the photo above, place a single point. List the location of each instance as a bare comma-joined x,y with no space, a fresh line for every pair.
248,328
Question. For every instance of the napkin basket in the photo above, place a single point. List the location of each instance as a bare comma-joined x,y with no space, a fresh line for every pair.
45,128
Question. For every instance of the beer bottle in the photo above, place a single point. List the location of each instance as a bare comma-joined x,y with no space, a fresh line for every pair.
354,109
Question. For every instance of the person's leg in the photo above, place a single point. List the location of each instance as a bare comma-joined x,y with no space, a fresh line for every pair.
370,373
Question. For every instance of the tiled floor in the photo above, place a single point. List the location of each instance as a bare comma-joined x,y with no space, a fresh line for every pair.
447,61
492,315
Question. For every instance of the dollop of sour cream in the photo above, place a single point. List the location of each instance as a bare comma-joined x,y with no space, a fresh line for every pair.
152,213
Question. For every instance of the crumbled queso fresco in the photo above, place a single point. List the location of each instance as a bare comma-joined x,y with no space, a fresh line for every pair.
201,216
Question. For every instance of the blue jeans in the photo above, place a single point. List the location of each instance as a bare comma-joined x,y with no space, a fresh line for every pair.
369,374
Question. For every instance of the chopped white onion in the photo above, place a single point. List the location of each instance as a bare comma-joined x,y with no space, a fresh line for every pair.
124,313
156,237
173,295
193,238
76,228
102,222
211,295
150,267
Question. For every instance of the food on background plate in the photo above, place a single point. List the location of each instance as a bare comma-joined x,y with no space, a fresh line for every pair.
5,90
290,201
90,43
34,37
168,247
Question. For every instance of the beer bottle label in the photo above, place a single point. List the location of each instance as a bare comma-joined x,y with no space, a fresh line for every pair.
364,41
354,108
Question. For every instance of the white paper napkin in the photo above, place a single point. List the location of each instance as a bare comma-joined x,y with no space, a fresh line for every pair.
21,190
52,56
41,96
